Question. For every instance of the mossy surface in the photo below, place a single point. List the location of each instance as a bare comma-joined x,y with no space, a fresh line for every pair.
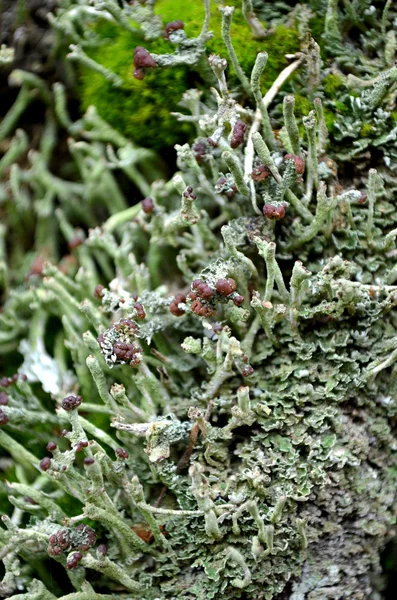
332,83
128,108
140,109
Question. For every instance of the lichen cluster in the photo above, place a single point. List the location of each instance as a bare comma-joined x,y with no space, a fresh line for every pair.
198,397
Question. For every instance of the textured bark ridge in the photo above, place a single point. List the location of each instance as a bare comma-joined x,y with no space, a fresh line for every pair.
198,390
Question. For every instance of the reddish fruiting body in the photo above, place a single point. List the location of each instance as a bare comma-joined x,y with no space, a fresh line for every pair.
174,308
196,283
200,150
203,289
74,560
225,287
238,134
179,297
299,163
140,311
268,210
206,292
51,446
81,445
71,402
362,199
121,453
45,463
148,205
88,461
172,26
203,310
98,292
279,212
188,193
3,418
222,186
89,537
58,542
260,173
3,399
127,353
102,549
142,60
272,211
238,300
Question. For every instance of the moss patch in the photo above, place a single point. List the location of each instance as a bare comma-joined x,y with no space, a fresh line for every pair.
332,83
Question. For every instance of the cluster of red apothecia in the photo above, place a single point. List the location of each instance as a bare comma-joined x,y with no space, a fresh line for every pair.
299,163
202,294
126,351
7,381
224,187
63,541
262,172
238,133
188,193
200,149
274,211
71,403
45,462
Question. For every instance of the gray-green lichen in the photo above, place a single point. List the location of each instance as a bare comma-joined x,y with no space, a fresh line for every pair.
212,370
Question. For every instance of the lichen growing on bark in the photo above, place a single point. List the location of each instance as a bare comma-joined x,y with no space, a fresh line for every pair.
205,397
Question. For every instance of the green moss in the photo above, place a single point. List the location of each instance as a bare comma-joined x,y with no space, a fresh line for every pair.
329,117
140,109
316,25
341,107
366,130
302,105
332,83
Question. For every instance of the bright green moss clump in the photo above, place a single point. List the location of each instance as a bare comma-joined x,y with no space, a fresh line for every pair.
128,108
140,109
